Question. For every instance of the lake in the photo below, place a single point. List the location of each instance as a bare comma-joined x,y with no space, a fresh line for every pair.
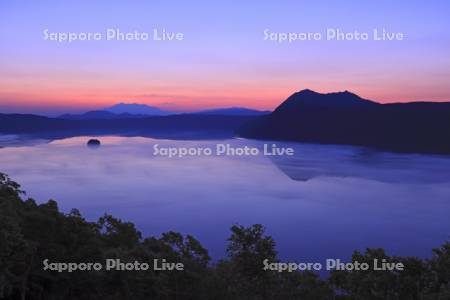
323,202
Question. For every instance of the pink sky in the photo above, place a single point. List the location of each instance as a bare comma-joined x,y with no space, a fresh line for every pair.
223,60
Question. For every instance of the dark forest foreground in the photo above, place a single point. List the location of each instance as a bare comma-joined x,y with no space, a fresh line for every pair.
31,233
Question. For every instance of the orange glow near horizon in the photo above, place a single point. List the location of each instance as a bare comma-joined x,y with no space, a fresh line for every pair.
49,90
219,63
263,97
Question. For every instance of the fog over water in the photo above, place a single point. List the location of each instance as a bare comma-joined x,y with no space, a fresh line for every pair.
323,202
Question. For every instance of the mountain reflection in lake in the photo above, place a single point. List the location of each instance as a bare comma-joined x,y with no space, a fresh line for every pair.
324,202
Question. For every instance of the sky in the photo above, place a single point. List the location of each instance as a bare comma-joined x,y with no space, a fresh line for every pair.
223,59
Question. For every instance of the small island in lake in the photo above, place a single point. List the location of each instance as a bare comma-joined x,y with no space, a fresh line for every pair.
93,143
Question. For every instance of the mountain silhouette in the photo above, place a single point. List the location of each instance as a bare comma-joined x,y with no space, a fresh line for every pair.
306,116
116,112
346,118
235,111
137,109
177,126
308,99
101,115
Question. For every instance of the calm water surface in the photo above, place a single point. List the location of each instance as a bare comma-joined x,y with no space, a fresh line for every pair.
324,202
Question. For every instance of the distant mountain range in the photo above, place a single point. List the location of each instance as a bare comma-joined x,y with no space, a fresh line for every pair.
137,109
233,111
306,116
130,111
119,111
177,126
100,114
346,118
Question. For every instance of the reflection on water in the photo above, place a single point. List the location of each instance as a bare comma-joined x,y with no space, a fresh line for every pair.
324,202
346,161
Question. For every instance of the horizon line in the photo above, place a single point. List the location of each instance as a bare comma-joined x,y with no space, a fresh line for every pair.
57,110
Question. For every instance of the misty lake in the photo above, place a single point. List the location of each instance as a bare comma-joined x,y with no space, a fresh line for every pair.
323,202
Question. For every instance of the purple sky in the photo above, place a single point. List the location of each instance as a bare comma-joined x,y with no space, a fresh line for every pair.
223,59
